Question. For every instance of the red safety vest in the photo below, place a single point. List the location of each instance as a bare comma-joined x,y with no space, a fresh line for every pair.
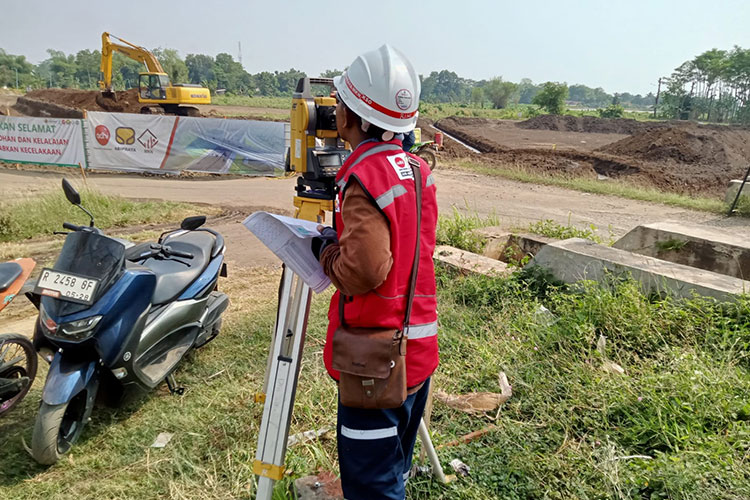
383,171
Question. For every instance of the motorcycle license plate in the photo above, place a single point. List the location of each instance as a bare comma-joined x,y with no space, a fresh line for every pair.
66,286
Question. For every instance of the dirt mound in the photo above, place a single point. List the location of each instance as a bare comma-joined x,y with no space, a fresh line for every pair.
688,157
587,124
90,100
451,149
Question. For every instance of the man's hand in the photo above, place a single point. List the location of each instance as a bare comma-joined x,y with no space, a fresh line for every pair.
327,237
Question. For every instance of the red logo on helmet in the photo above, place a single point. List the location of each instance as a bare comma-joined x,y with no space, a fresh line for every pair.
102,134
399,161
403,99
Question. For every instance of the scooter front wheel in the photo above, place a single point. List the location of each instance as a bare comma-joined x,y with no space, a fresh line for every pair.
57,427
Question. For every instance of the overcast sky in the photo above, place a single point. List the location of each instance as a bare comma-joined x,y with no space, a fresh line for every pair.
618,45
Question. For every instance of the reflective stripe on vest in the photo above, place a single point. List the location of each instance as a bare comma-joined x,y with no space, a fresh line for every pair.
387,198
430,181
422,331
375,150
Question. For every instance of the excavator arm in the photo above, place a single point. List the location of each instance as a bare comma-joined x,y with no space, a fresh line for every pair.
128,49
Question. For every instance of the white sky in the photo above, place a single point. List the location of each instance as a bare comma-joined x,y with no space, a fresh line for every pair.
622,46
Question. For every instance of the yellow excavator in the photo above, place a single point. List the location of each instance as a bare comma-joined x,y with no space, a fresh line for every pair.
155,91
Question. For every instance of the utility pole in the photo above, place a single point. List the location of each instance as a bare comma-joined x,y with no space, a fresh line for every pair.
16,78
656,103
239,52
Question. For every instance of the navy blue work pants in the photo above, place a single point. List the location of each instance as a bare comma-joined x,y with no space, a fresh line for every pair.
376,446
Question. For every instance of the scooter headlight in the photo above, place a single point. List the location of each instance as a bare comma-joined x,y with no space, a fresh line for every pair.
79,329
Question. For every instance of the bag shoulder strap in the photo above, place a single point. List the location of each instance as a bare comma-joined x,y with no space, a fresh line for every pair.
415,265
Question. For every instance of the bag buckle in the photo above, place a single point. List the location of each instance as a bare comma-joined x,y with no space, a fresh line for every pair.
368,385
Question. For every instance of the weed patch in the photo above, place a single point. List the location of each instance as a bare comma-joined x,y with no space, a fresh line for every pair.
44,214
457,231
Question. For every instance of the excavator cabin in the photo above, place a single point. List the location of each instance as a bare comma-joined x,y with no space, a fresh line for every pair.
155,90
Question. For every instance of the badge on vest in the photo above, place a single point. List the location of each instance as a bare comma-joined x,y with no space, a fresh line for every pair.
401,166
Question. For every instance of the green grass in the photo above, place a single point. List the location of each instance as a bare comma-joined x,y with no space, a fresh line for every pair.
456,230
571,430
253,102
436,111
44,214
553,229
622,189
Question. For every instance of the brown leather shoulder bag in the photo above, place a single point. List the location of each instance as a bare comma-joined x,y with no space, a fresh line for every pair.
372,361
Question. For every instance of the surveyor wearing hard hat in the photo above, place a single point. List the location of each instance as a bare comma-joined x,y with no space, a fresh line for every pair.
370,257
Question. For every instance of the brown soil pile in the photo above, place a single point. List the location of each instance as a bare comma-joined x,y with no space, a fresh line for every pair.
90,100
587,124
688,157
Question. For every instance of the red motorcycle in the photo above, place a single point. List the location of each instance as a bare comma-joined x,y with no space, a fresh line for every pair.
18,361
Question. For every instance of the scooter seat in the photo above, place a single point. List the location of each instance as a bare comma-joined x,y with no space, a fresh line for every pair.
9,272
175,274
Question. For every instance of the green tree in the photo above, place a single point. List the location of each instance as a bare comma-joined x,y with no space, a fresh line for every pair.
287,81
173,65
200,68
11,65
88,64
331,73
552,97
526,91
231,76
501,93
477,97
445,86
266,83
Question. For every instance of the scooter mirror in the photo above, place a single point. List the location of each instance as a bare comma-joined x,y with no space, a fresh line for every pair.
70,193
192,223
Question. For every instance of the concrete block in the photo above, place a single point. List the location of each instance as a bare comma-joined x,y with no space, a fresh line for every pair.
732,189
703,247
577,259
469,263
496,240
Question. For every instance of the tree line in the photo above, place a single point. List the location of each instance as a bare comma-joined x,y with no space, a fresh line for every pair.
713,86
222,73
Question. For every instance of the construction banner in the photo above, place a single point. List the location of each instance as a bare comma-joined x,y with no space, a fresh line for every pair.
215,145
126,141
52,141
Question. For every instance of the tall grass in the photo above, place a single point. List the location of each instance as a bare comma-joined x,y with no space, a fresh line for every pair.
252,102
44,214
457,230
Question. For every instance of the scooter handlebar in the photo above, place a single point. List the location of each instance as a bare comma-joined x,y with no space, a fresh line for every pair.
177,253
71,227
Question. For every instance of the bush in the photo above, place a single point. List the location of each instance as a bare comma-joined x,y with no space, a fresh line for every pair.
612,111
552,98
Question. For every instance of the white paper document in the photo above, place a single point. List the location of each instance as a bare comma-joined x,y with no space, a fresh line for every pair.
290,239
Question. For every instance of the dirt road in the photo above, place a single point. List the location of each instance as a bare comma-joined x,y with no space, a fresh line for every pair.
516,204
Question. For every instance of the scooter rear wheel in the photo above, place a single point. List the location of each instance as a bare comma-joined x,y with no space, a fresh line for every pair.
18,366
57,427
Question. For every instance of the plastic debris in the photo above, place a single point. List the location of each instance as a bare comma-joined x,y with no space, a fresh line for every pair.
461,468
304,437
162,439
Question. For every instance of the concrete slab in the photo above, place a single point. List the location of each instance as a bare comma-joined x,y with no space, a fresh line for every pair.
503,245
577,259
703,247
732,189
469,263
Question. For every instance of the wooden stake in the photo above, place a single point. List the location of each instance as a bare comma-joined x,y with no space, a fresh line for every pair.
83,174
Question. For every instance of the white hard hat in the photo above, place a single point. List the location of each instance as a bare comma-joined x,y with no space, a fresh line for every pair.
382,88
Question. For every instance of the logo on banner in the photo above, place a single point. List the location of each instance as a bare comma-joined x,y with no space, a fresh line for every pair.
148,140
401,166
101,133
125,135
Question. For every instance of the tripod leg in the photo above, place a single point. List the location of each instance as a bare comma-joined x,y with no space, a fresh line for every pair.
281,382
437,469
